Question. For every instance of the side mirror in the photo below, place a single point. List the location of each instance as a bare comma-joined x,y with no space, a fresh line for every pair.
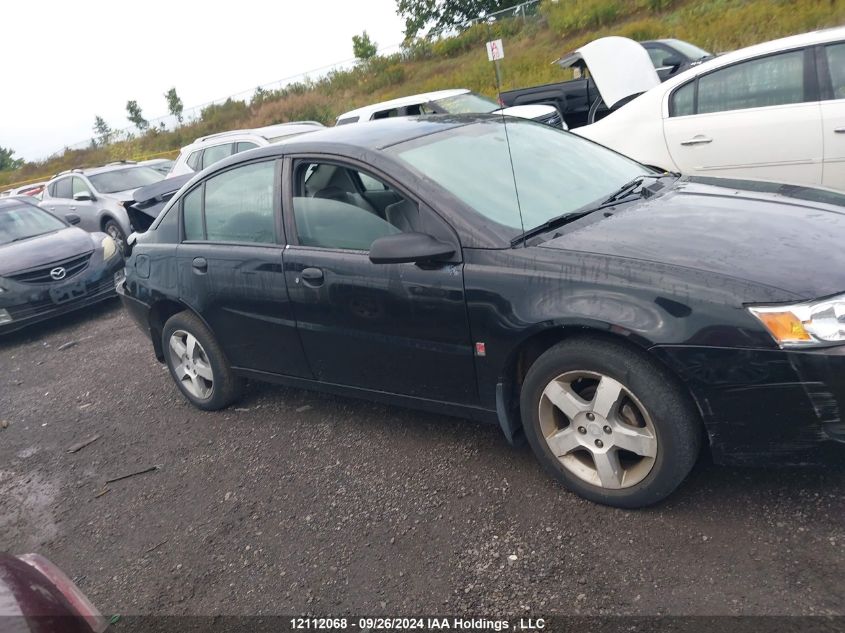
82,196
72,218
405,248
673,60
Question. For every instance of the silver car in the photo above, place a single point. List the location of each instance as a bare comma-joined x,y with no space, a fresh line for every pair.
97,197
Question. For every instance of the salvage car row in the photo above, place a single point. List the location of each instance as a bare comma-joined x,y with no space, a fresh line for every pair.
618,318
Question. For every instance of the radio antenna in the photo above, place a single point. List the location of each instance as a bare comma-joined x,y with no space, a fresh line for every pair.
496,52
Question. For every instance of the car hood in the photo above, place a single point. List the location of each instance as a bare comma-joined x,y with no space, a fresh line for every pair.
620,67
785,237
44,249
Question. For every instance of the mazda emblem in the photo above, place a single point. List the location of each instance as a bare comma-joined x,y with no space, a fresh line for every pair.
58,273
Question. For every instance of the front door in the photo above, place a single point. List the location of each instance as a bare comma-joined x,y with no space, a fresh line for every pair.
755,119
230,268
397,328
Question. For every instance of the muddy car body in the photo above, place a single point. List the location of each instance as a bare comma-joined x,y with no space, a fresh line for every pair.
437,288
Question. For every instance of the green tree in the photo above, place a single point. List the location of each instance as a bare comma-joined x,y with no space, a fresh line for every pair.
133,113
103,132
439,14
362,47
7,163
258,97
174,104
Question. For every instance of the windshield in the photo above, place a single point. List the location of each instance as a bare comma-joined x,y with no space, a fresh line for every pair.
24,221
124,179
556,172
690,50
469,103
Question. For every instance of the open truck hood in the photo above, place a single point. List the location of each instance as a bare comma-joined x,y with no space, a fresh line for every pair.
620,67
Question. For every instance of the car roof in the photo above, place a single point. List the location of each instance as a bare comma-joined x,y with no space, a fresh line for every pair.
267,132
423,97
93,171
377,135
756,50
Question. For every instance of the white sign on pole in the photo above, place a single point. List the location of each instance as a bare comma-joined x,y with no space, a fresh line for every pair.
495,50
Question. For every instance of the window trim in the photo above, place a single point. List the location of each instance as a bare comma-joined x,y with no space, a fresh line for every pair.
824,76
811,85
278,225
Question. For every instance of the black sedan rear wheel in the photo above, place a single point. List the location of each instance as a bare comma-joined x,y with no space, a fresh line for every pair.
197,363
609,423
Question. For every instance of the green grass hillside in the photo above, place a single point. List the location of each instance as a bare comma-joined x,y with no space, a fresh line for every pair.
531,43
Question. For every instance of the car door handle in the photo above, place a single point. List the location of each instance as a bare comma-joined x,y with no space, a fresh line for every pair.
312,277
200,264
73,208
697,140
839,130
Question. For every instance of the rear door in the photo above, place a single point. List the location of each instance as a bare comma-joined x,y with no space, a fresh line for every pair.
230,268
396,328
754,119
831,60
61,199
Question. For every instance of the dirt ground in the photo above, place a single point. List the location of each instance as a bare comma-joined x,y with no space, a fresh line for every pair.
296,502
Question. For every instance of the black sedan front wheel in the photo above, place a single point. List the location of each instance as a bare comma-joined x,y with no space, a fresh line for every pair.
197,363
609,423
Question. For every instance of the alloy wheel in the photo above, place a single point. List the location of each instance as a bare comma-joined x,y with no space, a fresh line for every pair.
191,365
598,429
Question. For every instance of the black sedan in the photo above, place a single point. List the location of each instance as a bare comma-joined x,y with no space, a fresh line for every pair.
48,267
493,268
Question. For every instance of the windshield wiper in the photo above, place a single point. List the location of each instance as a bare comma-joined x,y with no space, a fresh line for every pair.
629,187
566,218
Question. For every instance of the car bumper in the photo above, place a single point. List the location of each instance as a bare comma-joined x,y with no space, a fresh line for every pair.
766,406
138,310
27,304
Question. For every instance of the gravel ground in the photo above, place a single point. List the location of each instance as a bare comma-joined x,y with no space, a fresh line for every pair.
296,502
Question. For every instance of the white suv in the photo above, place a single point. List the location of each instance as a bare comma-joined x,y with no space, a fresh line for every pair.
458,101
209,149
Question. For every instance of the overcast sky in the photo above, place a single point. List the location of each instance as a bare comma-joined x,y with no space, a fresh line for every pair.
69,61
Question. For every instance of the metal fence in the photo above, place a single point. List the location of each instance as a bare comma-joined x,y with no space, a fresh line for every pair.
524,11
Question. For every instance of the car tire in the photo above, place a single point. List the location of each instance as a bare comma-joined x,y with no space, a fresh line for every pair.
197,363
113,230
609,423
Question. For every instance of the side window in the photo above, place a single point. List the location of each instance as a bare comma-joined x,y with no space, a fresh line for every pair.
351,119
836,63
194,160
51,190
657,56
214,153
386,114
167,229
683,100
243,146
79,186
192,215
330,211
768,81
63,189
238,206
371,184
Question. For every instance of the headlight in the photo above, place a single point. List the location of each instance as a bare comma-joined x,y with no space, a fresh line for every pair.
805,324
109,248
